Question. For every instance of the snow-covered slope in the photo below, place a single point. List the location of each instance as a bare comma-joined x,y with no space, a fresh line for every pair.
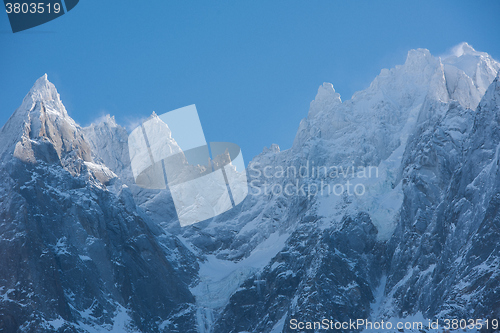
468,74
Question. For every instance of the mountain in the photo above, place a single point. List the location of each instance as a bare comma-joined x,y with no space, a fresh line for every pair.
385,208
409,125
76,254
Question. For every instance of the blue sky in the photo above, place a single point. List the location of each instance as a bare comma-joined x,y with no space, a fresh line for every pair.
251,67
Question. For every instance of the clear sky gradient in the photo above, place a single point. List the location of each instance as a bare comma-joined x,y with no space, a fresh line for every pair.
251,67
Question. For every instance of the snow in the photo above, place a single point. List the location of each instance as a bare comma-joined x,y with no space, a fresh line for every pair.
379,297
382,198
468,74
61,247
326,99
219,279
400,92
376,316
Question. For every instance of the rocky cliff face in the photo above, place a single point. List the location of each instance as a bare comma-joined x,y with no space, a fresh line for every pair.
85,249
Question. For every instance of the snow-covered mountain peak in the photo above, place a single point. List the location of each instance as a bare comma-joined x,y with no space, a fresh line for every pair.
273,149
42,84
44,88
373,127
326,99
396,95
465,49
41,130
392,97
44,91
468,74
